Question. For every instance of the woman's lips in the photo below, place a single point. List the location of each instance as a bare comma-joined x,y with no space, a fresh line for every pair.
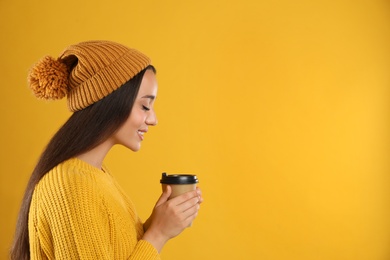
141,134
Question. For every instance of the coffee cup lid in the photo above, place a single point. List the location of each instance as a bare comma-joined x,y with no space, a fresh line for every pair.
178,179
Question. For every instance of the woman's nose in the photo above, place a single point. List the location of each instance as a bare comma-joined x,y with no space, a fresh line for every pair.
152,118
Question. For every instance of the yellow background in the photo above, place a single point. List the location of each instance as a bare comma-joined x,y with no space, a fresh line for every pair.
280,107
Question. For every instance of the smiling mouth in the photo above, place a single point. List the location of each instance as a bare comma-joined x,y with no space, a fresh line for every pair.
141,134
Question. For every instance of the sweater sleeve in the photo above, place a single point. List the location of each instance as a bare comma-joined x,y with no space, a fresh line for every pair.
70,219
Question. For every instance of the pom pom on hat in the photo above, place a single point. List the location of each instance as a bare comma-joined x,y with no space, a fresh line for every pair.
48,78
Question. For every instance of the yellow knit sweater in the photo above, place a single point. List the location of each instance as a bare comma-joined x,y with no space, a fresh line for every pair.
80,212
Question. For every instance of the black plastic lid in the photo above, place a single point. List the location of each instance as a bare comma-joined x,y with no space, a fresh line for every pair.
178,179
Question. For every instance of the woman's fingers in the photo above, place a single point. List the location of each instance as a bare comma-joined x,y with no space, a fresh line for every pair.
199,194
164,196
187,210
184,197
192,211
171,216
188,204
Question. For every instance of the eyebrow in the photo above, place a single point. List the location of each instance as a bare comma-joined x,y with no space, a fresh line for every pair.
150,96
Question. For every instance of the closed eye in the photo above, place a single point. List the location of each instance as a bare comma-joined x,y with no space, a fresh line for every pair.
145,108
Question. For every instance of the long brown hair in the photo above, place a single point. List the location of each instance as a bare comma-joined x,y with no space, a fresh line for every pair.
84,130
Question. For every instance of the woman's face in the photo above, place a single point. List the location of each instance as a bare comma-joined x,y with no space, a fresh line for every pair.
131,133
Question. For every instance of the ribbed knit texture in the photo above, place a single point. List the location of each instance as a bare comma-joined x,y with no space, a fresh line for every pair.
100,68
80,212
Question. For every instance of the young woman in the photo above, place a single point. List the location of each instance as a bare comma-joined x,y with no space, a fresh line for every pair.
73,208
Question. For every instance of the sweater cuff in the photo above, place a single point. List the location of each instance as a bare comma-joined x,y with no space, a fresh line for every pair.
145,251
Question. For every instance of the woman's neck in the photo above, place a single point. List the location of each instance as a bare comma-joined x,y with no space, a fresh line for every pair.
95,156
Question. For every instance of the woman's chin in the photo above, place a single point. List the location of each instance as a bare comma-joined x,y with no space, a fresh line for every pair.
134,148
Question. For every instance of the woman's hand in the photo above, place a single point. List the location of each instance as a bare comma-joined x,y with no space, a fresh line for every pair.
170,217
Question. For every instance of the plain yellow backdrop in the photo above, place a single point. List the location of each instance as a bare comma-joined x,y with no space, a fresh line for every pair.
280,107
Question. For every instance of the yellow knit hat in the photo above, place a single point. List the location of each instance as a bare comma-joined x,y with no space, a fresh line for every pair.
86,72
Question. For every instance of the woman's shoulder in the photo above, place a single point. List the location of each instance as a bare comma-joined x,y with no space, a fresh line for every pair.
71,189
72,176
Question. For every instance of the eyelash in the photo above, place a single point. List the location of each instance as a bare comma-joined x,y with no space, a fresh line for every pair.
145,108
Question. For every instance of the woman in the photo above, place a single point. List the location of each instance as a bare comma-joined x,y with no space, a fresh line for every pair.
73,208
